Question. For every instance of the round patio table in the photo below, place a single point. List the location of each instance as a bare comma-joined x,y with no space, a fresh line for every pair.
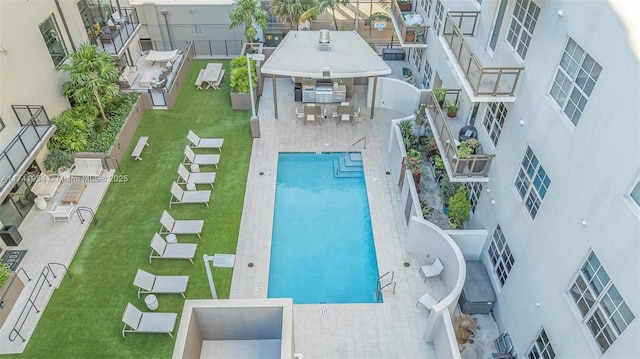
467,132
151,301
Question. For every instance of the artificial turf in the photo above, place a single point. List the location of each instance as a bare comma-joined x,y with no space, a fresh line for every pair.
83,318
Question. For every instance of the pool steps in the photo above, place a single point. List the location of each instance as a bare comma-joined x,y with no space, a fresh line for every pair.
348,166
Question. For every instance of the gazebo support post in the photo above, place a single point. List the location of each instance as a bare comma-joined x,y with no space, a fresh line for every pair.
275,96
373,96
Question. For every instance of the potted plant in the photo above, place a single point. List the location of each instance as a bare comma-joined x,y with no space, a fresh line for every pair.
464,150
405,5
452,109
57,160
414,164
419,120
447,190
459,207
439,164
440,94
10,288
474,144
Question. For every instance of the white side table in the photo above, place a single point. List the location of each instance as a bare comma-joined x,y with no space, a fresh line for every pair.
151,301
171,238
40,202
191,186
195,167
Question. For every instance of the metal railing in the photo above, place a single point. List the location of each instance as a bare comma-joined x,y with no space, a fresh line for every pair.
27,139
81,209
113,40
475,165
485,81
31,300
379,287
410,34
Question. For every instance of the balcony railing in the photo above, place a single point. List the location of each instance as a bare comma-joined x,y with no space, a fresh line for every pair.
485,81
113,38
409,33
34,130
475,165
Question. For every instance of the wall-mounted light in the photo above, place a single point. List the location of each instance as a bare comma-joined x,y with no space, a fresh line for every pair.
521,122
560,12
584,222
3,49
493,202
190,11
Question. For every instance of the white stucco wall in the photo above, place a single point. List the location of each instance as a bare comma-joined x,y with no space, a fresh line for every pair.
592,167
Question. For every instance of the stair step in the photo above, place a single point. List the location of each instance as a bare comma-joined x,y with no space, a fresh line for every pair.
340,170
344,167
356,156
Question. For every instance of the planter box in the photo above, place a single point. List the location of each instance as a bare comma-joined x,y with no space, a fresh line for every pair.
241,100
405,6
9,294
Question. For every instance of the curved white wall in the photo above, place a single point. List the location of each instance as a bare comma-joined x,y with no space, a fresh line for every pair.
397,95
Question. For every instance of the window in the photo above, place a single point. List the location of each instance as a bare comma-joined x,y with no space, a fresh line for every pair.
53,40
426,6
497,24
532,182
575,78
475,190
601,306
523,22
635,193
437,20
416,56
494,120
196,30
426,76
500,255
541,348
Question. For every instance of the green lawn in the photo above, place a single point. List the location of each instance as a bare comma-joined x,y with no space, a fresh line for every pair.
83,318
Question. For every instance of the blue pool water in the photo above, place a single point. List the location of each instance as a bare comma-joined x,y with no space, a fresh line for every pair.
322,249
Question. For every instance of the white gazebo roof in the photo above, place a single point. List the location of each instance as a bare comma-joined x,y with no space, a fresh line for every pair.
349,56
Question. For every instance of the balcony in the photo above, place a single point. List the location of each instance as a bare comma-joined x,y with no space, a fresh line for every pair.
482,83
116,35
410,26
472,168
33,133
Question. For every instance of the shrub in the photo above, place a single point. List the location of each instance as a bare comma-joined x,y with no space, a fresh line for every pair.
75,127
239,77
56,159
459,207
107,136
447,190
4,273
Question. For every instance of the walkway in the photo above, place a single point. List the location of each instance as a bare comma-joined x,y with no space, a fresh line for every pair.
390,330
48,242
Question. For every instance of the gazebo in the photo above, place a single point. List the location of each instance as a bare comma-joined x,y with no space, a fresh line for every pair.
325,56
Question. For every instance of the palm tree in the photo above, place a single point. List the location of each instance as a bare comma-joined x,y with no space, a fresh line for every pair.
291,10
377,16
248,12
93,77
322,6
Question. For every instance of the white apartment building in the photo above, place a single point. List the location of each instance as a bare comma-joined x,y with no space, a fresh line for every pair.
36,37
561,199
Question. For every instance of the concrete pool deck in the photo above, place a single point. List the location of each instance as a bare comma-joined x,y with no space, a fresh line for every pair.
392,329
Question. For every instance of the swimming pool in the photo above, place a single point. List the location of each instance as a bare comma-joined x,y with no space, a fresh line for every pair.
322,248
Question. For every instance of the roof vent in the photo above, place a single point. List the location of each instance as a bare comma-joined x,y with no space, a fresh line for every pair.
324,40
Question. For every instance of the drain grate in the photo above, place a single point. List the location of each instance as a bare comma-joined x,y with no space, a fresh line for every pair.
12,258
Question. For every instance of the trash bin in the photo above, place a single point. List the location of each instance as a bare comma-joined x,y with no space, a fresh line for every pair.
10,235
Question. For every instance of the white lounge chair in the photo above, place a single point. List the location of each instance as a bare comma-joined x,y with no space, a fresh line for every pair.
148,283
184,226
184,176
62,212
299,114
141,322
181,196
161,249
432,270
427,301
190,157
197,142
